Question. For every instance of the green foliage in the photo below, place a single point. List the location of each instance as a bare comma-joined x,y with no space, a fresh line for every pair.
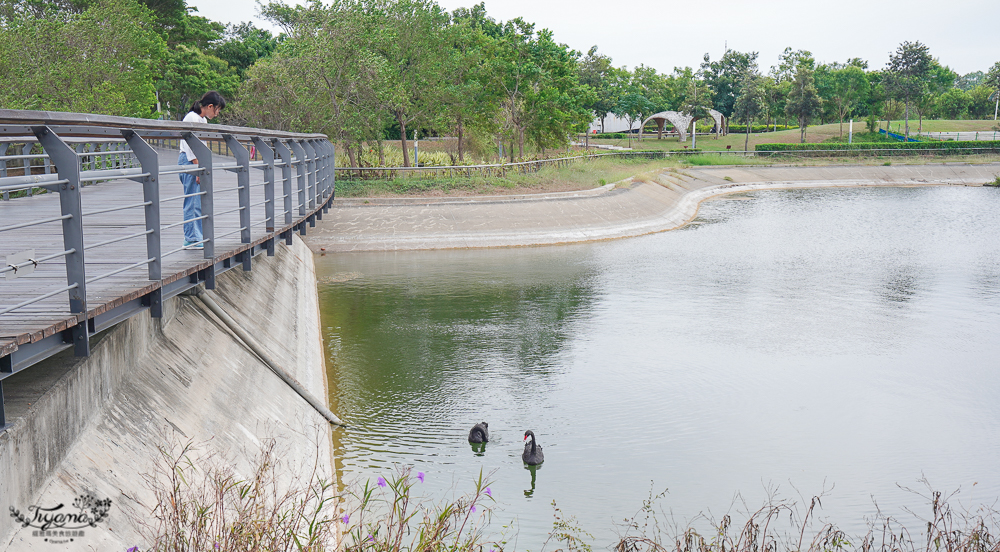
102,60
906,78
243,45
751,102
726,78
697,100
740,129
187,73
980,106
948,147
803,100
953,104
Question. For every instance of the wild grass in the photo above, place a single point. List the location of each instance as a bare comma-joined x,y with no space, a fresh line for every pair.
789,526
203,505
580,175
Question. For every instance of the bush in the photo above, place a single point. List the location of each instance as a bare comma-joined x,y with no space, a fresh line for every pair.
888,148
741,129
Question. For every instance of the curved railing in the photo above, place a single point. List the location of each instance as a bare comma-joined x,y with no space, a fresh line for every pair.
91,218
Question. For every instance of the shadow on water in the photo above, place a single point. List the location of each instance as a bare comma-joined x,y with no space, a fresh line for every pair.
533,469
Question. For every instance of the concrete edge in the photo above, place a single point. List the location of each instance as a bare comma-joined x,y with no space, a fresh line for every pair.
682,212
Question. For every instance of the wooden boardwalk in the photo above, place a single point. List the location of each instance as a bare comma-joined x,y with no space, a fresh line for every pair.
52,315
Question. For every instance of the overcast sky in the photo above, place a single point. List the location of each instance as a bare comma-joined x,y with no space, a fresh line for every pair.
962,34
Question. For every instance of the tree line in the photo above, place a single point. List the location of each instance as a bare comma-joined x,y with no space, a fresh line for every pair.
366,72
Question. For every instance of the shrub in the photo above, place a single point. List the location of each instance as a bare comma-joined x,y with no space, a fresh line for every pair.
741,129
887,148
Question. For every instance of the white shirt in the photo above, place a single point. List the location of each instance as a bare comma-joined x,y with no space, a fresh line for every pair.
191,117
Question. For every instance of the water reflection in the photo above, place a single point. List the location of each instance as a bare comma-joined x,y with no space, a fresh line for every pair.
478,449
534,470
773,343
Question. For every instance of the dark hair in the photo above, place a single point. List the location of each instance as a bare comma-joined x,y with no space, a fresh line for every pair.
210,98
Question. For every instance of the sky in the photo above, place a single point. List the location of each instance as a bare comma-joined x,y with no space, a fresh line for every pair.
665,34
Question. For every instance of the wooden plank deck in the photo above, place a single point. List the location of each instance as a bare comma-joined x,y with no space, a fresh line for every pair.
42,319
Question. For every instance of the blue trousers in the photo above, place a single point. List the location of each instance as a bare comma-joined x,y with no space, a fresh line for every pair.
192,205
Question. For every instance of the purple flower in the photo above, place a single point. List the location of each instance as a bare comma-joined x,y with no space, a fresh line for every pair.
488,493
346,519
420,476
381,482
216,546
473,508
133,549
371,537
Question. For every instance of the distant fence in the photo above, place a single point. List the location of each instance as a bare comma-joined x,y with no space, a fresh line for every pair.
498,170
975,136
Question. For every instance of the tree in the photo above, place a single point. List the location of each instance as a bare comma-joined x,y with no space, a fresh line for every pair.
467,98
953,104
724,77
631,107
971,80
408,36
906,75
850,87
187,73
992,80
803,99
980,106
597,72
243,45
100,60
697,103
751,102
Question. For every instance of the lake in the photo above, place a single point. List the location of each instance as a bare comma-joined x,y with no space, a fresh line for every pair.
785,343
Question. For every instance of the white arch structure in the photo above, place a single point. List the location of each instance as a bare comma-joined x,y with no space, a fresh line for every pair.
681,122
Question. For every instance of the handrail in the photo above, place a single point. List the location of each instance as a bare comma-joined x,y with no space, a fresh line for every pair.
77,149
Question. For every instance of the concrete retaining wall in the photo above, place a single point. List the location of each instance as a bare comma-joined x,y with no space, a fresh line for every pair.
150,383
652,202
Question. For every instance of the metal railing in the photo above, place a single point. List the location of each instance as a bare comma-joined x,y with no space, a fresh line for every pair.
46,245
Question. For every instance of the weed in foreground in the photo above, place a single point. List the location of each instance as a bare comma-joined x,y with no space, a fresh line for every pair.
204,504
387,517
778,526
208,507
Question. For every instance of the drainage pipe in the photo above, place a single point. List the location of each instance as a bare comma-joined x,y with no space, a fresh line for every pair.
258,349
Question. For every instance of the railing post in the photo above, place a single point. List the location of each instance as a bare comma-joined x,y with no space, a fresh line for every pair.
26,164
204,157
310,173
3,167
301,167
242,182
267,154
150,163
286,177
332,165
71,204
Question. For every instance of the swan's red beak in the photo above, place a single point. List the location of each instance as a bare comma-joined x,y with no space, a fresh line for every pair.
525,437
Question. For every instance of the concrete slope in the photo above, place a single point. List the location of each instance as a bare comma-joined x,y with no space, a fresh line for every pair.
154,383
631,208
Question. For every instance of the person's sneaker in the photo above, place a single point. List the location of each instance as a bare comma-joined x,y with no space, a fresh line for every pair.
193,245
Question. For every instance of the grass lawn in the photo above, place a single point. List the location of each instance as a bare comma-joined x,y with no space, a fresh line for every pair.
593,173
814,134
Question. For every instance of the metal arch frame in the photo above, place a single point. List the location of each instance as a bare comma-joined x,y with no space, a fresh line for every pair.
314,167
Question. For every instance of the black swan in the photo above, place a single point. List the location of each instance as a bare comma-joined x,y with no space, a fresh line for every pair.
532,454
480,433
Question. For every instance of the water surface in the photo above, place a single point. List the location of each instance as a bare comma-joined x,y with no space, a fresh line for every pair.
785,342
